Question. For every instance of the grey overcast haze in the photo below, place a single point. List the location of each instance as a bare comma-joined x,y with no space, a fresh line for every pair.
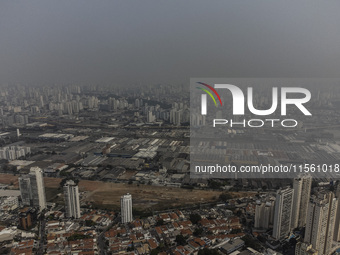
153,41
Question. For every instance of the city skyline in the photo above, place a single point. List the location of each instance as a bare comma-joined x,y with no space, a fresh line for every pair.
169,127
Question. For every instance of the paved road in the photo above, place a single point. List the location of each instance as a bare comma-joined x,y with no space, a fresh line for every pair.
42,224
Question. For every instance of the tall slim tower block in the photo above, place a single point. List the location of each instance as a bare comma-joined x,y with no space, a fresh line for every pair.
321,222
37,188
283,213
302,187
25,189
72,203
336,236
126,208
263,215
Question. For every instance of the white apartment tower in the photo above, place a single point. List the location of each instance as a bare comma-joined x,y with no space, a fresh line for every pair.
283,213
302,188
72,203
126,208
37,188
321,222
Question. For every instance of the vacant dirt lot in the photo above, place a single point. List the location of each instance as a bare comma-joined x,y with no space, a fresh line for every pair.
13,179
52,182
9,179
143,195
106,194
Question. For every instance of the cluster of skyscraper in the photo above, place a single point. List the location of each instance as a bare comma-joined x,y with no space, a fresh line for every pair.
32,191
296,208
115,104
23,103
178,114
73,104
293,208
14,152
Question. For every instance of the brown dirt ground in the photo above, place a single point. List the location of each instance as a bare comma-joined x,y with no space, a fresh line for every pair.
144,196
8,179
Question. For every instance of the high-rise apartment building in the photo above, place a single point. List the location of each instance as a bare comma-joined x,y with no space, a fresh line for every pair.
32,188
302,188
126,208
321,222
304,249
150,117
25,189
283,213
264,212
72,204
37,188
336,236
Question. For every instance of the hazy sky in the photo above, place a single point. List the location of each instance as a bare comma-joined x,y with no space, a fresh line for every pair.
167,41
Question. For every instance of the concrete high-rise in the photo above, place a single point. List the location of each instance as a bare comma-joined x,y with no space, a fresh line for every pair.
150,117
302,188
32,188
304,249
321,221
72,204
283,213
336,236
25,189
263,215
37,188
126,208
